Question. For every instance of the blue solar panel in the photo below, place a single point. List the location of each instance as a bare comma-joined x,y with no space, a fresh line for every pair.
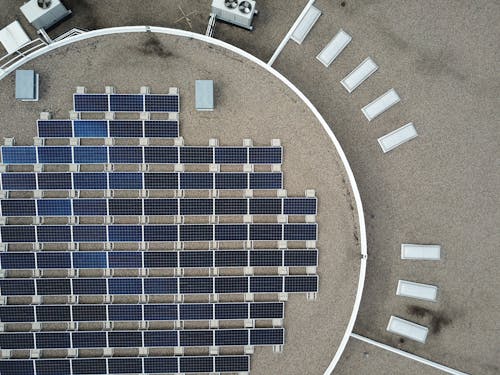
266,232
264,155
160,312
160,286
266,284
161,155
54,207
15,314
125,180
125,259
196,155
126,103
89,233
55,155
125,128
160,207
266,258
196,311
300,232
196,206
47,287
90,155
161,129
52,340
265,181
224,311
196,232
83,340
89,313
196,338
89,259
125,312
231,180
90,207
299,206
17,367
232,364
158,233
53,260
160,181
266,310
231,337
231,284
231,155
125,365
192,285
18,181
89,286
160,259
160,338
125,286
195,180
53,367
10,287
17,341
18,207
90,128
18,155
13,261
161,103
46,313
231,232
160,365
195,259
196,364
53,233
54,181
54,128
263,206
90,181
301,258
231,258
125,206
14,233
231,207
90,102
271,336
125,155
301,284
125,339
81,366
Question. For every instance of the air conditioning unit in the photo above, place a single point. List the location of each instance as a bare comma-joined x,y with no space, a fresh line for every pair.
237,12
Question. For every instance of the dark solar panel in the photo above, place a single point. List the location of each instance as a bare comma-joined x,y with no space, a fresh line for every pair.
231,337
155,233
266,310
89,259
232,364
82,366
230,180
196,364
231,155
125,233
299,206
89,233
195,259
231,207
266,284
301,258
125,206
265,206
54,128
18,207
90,181
125,259
161,103
166,207
266,232
161,129
53,286
160,259
160,312
9,287
90,102
128,339
231,284
195,285
89,313
160,338
161,155
301,284
89,286
197,206
17,341
125,155
300,232
167,285
271,336
52,367
125,286
125,128
160,181
83,340
18,181
265,180
54,181
196,232
17,367
55,155
125,365
231,311
264,155
53,233
15,233
52,340
90,128
196,155
196,338
16,314
90,207
49,313
126,103
231,258
125,180
196,311
160,365
195,180
53,260
231,232
17,261
266,258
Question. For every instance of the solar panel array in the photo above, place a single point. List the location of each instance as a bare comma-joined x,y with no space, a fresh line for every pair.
85,251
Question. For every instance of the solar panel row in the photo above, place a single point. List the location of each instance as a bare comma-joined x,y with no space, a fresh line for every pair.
138,312
139,154
125,103
158,259
157,233
133,339
140,180
159,285
108,128
123,365
158,206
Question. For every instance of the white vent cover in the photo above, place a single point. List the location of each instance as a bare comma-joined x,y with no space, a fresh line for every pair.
237,12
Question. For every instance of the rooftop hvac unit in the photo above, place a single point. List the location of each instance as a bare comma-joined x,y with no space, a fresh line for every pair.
43,14
237,12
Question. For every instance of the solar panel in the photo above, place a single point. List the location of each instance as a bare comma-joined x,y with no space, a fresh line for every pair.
301,258
125,180
17,261
299,206
126,128
46,313
160,285
125,259
196,259
264,155
125,286
161,338
124,339
89,313
125,312
18,207
161,103
160,259
125,155
17,367
90,102
160,233
160,181
160,365
53,286
52,340
231,232
52,366
53,233
89,233
88,129
196,180
160,312
18,155
196,364
16,314
53,260
82,340
231,258
196,311
231,207
10,287
232,364
266,310
90,155
300,232
301,284
231,337
196,155
197,232
231,155
196,338
161,129
160,207
266,258
54,128
90,181
161,155
125,365
15,233
125,206
263,206
81,366
224,311
89,259
17,341
266,232
53,207
192,285
197,206
266,284
265,180
89,286
126,103
19,181
231,284
54,155
230,180
271,336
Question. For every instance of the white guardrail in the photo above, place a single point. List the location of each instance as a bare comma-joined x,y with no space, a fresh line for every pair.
291,86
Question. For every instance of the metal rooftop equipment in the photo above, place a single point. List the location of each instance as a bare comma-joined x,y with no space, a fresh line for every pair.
43,14
236,12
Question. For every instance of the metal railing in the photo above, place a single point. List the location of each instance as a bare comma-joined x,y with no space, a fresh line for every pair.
22,52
